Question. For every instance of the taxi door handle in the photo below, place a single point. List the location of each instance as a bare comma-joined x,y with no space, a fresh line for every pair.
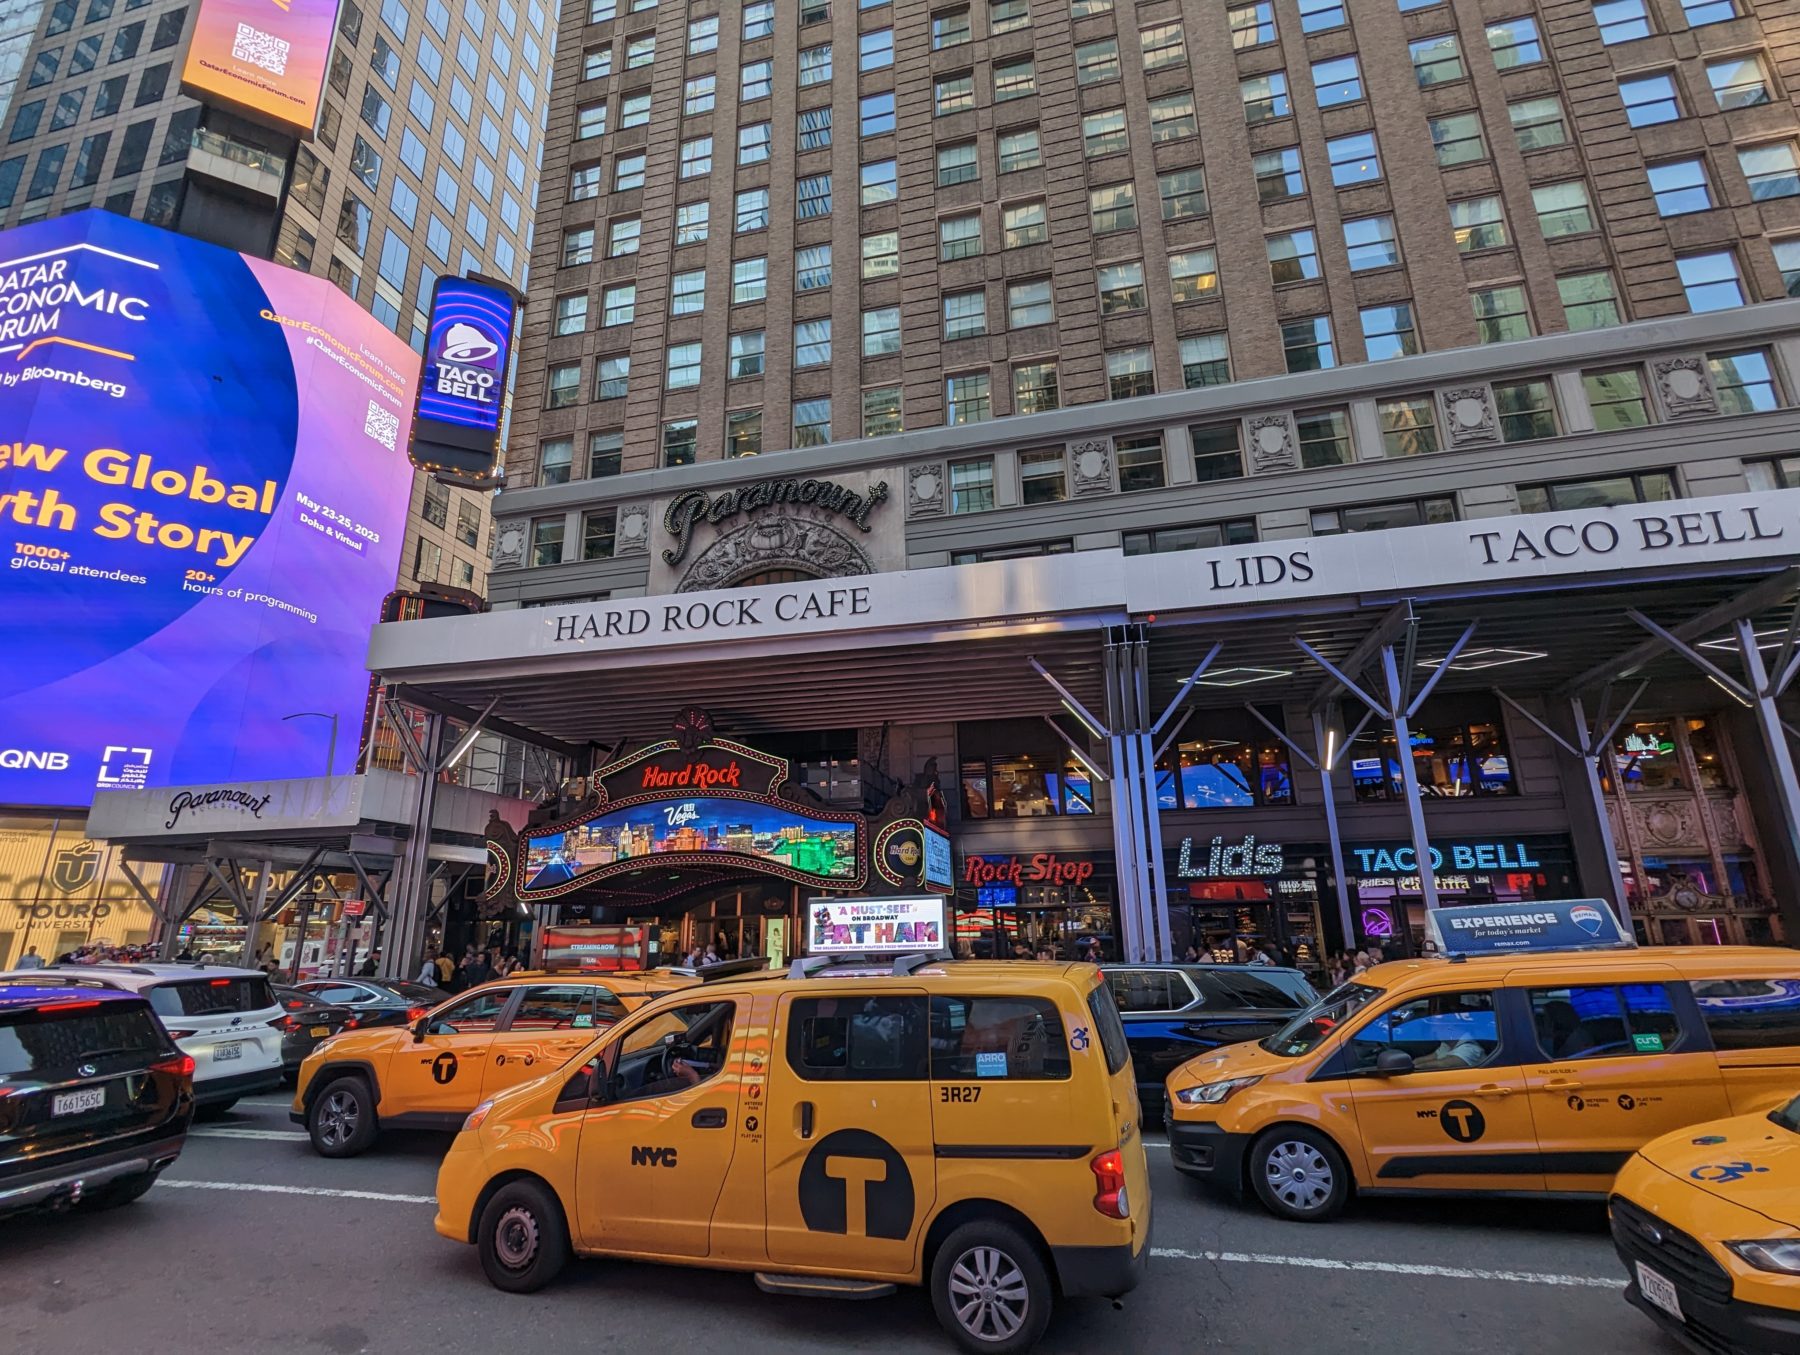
806,1119
1493,1089
712,1117
1562,1084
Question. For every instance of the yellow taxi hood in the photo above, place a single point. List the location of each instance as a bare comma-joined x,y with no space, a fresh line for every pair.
1748,1160
354,1043
1248,1059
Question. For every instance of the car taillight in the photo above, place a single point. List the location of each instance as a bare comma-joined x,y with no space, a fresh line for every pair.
287,1023
1109,1178
351,1023
414,1013
180,1034
182,1065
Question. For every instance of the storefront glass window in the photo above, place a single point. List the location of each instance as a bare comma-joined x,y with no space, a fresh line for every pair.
1646,758
1236,763
1012,770
1458,749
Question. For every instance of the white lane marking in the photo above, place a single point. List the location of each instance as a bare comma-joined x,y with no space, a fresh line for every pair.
1155,1143
265,1188
227,1132
1390,1268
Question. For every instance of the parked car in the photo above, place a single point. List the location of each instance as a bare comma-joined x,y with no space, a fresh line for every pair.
228,1019
95,1099
1174,1011
309,1019
375,1002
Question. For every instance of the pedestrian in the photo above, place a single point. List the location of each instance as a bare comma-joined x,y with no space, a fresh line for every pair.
428,972
31,959
446,970
1191,955
371,963
480,969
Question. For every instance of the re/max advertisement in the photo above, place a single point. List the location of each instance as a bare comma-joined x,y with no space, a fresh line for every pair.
203,489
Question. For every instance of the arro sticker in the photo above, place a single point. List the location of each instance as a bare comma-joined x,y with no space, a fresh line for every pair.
990,1065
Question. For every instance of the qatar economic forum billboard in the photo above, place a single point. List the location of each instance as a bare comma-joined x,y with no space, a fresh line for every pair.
203,489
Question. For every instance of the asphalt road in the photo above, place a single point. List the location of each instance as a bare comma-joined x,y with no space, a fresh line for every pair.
252,1243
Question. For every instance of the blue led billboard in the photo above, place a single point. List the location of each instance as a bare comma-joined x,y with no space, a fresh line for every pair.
462,393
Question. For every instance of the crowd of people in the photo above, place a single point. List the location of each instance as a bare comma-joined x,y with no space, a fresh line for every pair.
477,965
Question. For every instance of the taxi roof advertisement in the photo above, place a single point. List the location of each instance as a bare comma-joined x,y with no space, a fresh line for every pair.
265,58
1520,928
874,926
203,489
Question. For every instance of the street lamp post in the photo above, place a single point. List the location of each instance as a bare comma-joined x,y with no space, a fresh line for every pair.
331,747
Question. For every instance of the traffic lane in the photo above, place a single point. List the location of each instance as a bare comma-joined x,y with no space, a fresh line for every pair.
255,1141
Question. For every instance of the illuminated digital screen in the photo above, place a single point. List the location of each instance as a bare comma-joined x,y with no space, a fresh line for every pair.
265,58
203,490
463,390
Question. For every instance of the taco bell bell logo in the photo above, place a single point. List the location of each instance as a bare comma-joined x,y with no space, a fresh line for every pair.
465,362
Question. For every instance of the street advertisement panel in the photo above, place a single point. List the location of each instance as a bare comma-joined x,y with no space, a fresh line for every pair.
265,58
468,348
1506,928
874,926
203,490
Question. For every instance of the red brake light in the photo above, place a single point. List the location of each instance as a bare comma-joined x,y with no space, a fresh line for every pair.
68,1006
1109,1177
290,1023
217,983
182,1065
414,1013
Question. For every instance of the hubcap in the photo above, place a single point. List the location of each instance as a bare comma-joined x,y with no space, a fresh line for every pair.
988,1294
1299,1176
338,1117
516,1238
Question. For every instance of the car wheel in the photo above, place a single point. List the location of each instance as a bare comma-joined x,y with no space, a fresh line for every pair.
341,1119
522,1238
120,1192
1299,1174
990,1289
214,1110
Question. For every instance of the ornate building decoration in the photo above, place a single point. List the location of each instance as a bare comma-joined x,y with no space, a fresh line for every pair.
1469,416
811,549
1272,444
1091,466
1684,386
927,490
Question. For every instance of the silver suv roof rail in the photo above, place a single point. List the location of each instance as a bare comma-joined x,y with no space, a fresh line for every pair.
811,966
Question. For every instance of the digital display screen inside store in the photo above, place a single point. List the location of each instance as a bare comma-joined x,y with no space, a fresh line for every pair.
203,489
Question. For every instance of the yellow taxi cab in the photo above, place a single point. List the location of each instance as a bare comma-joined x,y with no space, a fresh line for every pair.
1532,1073
837,1130
1707,1222
431,1074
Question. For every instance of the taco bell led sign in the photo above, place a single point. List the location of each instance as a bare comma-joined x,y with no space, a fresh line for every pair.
1461,856
468,352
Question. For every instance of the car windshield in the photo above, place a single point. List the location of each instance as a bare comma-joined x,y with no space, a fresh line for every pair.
1788,1116
1307,1031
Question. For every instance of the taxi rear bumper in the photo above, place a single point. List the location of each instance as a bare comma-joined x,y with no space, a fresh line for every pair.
1101,1272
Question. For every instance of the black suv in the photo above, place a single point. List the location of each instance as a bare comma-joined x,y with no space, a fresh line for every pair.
95,1099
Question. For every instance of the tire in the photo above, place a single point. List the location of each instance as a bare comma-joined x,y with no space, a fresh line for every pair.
990,1289
340,1120
522,1237
1299,1174
214,1110
121,1192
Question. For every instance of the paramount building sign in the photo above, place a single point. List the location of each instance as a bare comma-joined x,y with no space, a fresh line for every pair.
695,506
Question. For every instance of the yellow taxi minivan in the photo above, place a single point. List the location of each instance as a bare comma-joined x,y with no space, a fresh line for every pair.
432,1073
1707,1222
1537,1074
837,1130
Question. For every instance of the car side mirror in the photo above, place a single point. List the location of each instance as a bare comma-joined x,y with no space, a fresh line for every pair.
418,1029
1393,1063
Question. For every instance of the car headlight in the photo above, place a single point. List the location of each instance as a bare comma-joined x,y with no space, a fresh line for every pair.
1780,1255
1211,1093
477,1115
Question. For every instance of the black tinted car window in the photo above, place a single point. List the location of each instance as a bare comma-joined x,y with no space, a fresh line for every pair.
859,1038
54,1040
1275,991
1109,1028
997,1037
1604,1021
210,997
1149,990
1751,1013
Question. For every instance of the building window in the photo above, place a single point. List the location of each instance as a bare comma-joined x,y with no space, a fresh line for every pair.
1563,209
1130,372
1218,453
875,114
756,80
1035,388
953,94
564,386
1436,60
1381,517
746,354
1539,123
1324,437
1026,223
1477,223
881,412
1514,42
1278,175
687,292
546,541
606,456
812,423
585,182
753,143
972,485
1251,25
698,96
879,182
812,268
959,237
949,28
1293,257
1183,193
1008,16
1739,81
743,433
1265,97
634,110
1306,344
1097,62
1205,360
1172,118
1787,252
1702,12
881,255
1371,242
815,65
1337,81
749,280
1590,300
812,343
681,366
1458,750
1163,46
578,247
1113,208
1194,275
1029,303
881,332
611,376
1042,478
680,440
875,49
751,211
1408,426
1527,410
1353,159
1014,80
691,222
1318,15
1710,280
556,461
812,197
1616,399
1140,459
703,35
1019,149
1500,314
640,51
956,164
1650,99
1200,536
1621,20
599,533
628,170
571,314
969,398
1744,381
1456,139
1389,331
1772,170
1679,187
1121,287
1607,492
965,314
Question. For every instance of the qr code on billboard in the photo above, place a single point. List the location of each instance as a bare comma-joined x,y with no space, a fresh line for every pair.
262,49
382,425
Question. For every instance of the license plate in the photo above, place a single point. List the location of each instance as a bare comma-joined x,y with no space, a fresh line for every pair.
73,1103
1659,1291
319,1032
227,1051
